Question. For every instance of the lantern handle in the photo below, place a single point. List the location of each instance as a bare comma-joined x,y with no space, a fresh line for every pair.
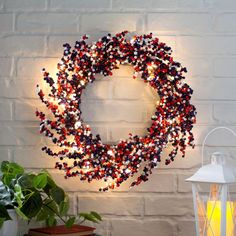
213,130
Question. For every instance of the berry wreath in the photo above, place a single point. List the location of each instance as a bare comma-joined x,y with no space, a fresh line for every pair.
85,155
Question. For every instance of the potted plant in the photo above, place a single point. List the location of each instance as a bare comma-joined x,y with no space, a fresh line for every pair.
36,196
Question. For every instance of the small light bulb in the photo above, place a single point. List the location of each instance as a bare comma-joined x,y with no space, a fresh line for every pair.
77,124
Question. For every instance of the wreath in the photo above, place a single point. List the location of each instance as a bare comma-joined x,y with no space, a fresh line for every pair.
84,154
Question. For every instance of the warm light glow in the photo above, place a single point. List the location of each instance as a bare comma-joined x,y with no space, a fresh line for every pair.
78,68
214,218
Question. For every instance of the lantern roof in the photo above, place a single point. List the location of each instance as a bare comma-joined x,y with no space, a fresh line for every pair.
215,172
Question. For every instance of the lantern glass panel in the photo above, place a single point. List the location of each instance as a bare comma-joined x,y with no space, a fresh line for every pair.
214,208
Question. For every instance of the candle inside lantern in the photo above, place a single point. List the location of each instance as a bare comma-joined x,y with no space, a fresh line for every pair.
214,218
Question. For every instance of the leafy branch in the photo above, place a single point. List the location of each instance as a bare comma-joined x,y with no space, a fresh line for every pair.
36,196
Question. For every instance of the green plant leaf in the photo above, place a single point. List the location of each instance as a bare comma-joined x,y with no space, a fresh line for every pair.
4,166
70,221
88,216
51,221
32,205
5,195
96,215
4,214
40,181
9,171
1,222
64,207
7,178
51,207
15,168
25,180
58,194
21,214
42,215
50,184
18,195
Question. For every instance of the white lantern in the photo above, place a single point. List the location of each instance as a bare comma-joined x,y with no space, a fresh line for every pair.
215,211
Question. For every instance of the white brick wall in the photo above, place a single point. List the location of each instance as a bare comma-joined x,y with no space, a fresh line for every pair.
202,34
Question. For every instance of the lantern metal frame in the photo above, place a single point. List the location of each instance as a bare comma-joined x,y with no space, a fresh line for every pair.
215,174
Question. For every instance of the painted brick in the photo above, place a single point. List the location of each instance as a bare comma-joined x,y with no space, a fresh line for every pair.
32,67
222,5
123,205
150,110
178,206
128,88
225,22
102,228
82,4
101,130
159,183
123,71
6,22
168,40
224,67
213,89
183,186
5,66
141,227
38,23
202,45
97,90
196,67
55,44
17,89
225,5
113,111
192,158
204,113
22,46
29,106
74,184
186,228
122,132
179,22
73,204
5,154
111,22
225,113
191,4
25,4
5,110
19,136
149,4
220,138
33,157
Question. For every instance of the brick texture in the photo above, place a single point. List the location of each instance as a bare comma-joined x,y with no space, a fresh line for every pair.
38,23
6,22
22,45
124,205
202,36
140,227
157,206
5,67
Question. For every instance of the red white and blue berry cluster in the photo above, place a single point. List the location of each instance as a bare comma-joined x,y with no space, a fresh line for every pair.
84,155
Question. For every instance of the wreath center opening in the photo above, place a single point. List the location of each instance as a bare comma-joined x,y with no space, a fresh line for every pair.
117,105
